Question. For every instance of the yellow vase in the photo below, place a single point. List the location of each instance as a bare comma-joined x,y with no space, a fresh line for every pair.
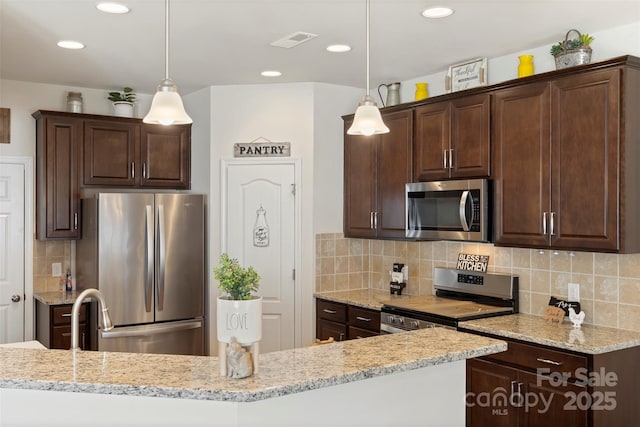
525,68
421,91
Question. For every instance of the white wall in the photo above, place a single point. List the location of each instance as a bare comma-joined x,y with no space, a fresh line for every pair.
285,113
23,98
623,40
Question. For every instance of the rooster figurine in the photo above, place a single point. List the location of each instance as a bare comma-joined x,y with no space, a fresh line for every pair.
576,319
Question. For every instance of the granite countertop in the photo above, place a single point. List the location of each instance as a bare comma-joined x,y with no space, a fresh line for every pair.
197,377
56,298
588,339
367,298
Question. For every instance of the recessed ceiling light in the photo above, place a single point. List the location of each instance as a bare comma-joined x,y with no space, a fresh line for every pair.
437,12
271,73
70,44
109,7
338,48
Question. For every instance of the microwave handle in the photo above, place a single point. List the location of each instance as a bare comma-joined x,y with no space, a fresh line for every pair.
463,208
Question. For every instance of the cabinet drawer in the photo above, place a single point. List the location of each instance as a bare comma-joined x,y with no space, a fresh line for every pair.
364,319
355,333
333,311
61,314
61,337
532,357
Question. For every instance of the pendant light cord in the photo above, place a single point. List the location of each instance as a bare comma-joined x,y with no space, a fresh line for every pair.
166,39
368,19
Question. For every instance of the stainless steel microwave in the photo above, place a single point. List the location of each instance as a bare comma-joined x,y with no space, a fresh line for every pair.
448,210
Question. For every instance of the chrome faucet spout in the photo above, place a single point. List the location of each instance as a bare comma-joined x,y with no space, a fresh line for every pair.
105,320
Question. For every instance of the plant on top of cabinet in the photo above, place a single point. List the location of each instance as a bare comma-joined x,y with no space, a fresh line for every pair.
123,102
572,52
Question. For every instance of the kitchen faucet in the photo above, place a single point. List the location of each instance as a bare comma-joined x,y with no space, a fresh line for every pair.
107,324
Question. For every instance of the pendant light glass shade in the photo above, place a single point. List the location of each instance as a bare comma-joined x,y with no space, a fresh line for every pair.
367,120
166,107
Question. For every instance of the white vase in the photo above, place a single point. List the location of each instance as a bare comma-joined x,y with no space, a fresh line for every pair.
123,109
241,319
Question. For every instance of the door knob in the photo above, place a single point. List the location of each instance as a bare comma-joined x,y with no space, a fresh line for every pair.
15,298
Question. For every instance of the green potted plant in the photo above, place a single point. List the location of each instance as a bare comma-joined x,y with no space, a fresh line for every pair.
234,280
239,313
123,102
572,52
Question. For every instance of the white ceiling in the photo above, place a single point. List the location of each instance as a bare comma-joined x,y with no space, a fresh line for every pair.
221,42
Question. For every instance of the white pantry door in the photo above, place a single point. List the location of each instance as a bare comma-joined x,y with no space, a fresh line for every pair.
12,290
259,223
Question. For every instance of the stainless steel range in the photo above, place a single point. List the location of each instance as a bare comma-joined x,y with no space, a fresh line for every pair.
459,296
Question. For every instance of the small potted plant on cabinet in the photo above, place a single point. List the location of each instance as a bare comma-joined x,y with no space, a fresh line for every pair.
123,102
239,317
572,52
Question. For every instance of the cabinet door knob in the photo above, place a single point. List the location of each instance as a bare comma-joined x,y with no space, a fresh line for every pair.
15,298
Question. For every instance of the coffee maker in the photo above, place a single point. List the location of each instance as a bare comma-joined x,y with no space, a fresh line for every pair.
399,277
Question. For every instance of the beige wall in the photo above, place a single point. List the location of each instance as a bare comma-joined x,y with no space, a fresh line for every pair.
609,283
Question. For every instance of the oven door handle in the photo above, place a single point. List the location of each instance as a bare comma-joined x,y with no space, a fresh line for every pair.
466,195
388,329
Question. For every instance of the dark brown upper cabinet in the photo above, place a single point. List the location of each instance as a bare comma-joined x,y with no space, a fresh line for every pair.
452,139
566,157
57,192
376,170
78,151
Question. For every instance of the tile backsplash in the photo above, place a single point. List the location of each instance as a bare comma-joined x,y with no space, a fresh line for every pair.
45,253
609,283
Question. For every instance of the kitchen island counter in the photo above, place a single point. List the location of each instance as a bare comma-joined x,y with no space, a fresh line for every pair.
426,365
197,377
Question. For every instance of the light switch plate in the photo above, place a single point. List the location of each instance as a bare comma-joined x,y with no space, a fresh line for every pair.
574,292
56,269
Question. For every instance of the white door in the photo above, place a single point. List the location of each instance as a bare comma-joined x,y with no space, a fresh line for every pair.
259,223
11,253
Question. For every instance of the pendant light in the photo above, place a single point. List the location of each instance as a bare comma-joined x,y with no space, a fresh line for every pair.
367,120
166,107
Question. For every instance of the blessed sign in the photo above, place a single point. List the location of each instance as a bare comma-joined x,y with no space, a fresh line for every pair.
471,262
262,149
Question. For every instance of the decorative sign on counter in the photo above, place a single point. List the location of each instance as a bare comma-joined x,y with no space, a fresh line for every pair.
471,262
265,148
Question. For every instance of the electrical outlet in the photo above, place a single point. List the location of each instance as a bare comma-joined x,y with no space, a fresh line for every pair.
56,269
574,292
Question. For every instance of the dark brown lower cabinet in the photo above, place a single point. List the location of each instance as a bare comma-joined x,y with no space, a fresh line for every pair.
531,385
53,326
344,321
499,396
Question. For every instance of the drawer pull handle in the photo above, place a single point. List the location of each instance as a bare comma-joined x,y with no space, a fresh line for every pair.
66,315
363,319
550,362
326,310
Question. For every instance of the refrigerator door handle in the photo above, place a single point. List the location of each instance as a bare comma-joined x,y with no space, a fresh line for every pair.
148,273
162,255
152,329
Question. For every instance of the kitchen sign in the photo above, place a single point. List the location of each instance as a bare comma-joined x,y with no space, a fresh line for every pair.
471,262
262,149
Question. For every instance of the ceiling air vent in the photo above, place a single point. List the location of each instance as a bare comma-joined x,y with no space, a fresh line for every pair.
293,40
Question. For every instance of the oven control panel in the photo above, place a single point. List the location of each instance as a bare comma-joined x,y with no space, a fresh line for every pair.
472,279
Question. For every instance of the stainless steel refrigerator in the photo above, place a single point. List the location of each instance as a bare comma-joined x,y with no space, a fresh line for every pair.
145,252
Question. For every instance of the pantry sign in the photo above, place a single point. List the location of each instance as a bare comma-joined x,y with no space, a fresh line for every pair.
471,262
262,149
